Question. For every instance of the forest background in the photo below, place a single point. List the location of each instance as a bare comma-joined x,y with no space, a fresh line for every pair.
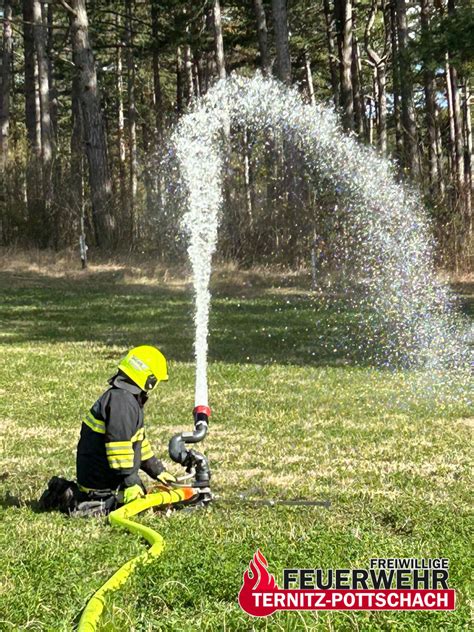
90,90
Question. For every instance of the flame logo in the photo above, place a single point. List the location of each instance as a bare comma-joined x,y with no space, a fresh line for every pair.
257,579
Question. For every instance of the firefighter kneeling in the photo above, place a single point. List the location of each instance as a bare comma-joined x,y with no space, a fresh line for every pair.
113,445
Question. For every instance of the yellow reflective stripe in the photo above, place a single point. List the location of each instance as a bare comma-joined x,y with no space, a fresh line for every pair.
119,447
147,451
118,444
97,425
118,463
121,466
121,455
139,435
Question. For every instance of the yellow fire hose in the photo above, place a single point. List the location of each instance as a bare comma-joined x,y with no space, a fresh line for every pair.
121,518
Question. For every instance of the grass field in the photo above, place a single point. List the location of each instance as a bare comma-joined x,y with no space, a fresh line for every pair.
288,421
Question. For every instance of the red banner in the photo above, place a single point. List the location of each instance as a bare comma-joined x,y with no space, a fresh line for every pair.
261,597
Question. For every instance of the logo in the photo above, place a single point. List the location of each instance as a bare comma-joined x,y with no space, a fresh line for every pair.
257,581
388,584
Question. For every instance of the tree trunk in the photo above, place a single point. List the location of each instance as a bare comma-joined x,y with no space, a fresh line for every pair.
395,82
46,125
458,127
409,159
132,124
94,127
149,175
370,122
377,60
449,99
309,78
439,155
188,72
248,179
77,171
262,33
457,117
468,165
382,109
358,103
204,70
50,54
343,12
197,75
359,111
77,152
429,85
5,70
455,130
211,69
280,25
157,96
179,82
375,87
333,62
122,152
218,39
33,123
32,114
43,83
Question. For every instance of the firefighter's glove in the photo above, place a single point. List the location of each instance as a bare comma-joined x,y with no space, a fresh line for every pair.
132,493
165,478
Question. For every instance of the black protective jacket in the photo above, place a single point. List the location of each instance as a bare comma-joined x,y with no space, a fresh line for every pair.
113,446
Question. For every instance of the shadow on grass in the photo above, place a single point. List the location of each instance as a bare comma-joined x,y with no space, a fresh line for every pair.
8,500
264,327
285,328
465,295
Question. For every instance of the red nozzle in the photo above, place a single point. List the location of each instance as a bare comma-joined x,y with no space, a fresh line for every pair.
202,409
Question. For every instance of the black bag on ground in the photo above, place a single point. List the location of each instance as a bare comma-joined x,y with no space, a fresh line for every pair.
62,495
65,496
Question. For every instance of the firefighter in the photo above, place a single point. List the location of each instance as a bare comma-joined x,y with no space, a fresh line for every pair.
113,445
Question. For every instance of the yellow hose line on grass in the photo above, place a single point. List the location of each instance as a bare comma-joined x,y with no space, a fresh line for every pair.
120,518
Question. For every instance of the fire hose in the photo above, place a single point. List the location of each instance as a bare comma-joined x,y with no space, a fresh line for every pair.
121,518
198,493
166,497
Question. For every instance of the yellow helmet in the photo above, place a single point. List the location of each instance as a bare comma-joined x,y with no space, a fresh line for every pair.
146,366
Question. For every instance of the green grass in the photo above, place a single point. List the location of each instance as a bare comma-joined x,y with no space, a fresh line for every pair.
290,420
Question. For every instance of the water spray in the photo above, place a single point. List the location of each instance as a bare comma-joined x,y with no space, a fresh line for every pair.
407,320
